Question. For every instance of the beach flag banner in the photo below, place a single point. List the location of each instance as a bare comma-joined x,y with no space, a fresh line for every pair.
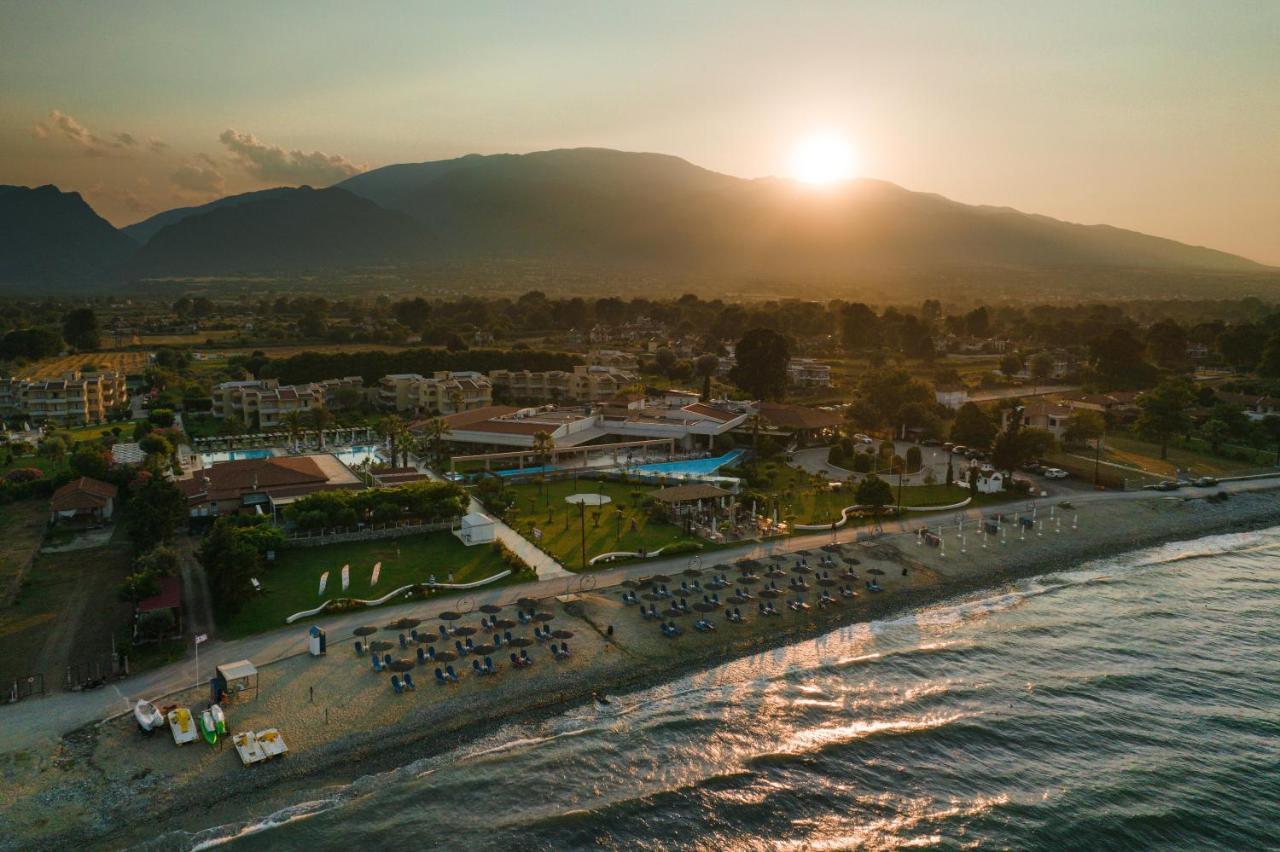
324,580
537,534
377,569
346,577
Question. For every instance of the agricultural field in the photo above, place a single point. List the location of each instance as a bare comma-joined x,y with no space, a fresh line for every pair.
128,363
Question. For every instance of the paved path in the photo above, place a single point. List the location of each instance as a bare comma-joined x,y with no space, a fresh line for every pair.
42,720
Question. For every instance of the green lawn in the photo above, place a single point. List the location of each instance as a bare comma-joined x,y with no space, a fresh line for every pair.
292,583
622,524
1132,451
811,501
47,465
97,430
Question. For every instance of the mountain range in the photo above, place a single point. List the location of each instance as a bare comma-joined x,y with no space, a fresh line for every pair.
577,207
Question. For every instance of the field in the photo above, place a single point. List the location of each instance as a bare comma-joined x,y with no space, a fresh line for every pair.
621,525
297,349
21,527
1139,462
65,614
128,363
292,583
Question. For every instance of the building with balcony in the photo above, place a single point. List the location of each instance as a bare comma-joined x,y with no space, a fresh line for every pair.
440,393
594,383
267,403
76,399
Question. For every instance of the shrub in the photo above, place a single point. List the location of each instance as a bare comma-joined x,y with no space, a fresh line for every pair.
23,474
681,547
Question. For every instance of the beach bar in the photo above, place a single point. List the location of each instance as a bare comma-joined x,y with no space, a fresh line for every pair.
234,679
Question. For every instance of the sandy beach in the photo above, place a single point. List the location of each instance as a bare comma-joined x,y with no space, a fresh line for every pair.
107,785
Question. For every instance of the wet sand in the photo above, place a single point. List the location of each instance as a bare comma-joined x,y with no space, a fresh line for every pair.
108,785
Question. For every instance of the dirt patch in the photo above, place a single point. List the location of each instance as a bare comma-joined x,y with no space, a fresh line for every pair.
21,529
65,614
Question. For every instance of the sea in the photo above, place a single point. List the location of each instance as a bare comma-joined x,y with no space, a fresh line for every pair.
1127,703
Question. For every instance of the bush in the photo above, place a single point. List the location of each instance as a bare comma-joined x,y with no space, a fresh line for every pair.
681,547
424,502
862,462
24,474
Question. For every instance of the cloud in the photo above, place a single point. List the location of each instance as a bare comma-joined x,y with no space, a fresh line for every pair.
126,139
273,164
157,146
61,125
199,180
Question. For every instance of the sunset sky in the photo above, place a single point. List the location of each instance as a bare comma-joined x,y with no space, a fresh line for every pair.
1158,116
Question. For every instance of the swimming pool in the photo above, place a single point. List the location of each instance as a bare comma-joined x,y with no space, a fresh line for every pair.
690,467
347,455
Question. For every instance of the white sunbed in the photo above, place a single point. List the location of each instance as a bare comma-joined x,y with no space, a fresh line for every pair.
248,749
271,742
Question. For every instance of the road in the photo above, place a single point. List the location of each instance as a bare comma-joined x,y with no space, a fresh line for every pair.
43,720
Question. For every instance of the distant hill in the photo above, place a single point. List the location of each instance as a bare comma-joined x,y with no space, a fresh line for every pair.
294,230
148,228
52,237
664,212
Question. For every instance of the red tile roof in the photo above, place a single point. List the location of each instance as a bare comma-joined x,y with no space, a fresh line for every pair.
83,493
169,596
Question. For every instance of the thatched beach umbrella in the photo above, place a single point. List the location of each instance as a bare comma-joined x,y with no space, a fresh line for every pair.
366,630
521,642
803,553
691,572
529,603
465,630
449,615
401,665
770,593
445,656
851,560
483,648
736,600
562,634
826,581
542,616
660,578
802,569
875,571
504,623
651,596
672,612
703,606
748,579
427,638
848,575
775,572
491,609
630,584
717,585
381,645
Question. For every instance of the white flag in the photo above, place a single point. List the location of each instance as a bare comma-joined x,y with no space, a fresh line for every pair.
377,569
346,577
201,637
324,579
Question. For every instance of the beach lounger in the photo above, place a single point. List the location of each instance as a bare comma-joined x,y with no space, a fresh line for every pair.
507,636
525,659
475,667
413,634
470,645
440,677
377,663
488,665
359,648
408,682
521,617
453,676
386,660
462,652
404,643
515,661
431,653
422,657
395,684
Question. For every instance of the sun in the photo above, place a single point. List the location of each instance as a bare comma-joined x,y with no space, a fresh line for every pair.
823,159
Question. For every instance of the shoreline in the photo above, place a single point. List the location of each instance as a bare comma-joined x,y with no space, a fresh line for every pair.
81,795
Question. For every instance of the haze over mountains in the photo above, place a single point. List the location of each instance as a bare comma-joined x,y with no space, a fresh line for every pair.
572,207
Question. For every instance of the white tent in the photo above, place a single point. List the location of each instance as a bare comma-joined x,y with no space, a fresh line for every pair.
476,528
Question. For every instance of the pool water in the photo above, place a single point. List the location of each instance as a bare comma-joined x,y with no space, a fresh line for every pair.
347,455
691,467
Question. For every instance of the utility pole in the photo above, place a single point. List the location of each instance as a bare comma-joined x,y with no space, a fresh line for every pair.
1097,457
582,514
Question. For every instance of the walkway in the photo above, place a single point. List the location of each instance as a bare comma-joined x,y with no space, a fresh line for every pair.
44,720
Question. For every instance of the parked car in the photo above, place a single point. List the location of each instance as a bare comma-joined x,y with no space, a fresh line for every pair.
948,446
959,450
863,439
1206,481
1167,485
1055,473
931,442
1033,467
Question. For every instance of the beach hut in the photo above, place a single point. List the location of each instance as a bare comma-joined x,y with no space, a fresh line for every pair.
476,528
238,678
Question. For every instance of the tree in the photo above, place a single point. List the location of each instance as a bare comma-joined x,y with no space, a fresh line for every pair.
705,366
53,447
665,359
412,313
161,560
1011,364
1117,359
89,461
138,587
155,510
320,418
973,427
1270,427
80,329
1163,412
1269,366
875,492
888,392
1241,345
1083,426
978,322
914,459
1042,364
1015,447
761,369
859,328
232,554
292,421
1215,432
1167,343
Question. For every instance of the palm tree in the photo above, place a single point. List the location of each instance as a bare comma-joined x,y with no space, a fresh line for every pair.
393,431
320,418
433,435
292,421
543,444
456,400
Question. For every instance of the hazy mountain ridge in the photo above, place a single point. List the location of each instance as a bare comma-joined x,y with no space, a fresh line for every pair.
579,208
50,236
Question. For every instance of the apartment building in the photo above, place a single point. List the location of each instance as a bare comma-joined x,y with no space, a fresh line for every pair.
440,393
808,373
76,399
267,402
594,383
